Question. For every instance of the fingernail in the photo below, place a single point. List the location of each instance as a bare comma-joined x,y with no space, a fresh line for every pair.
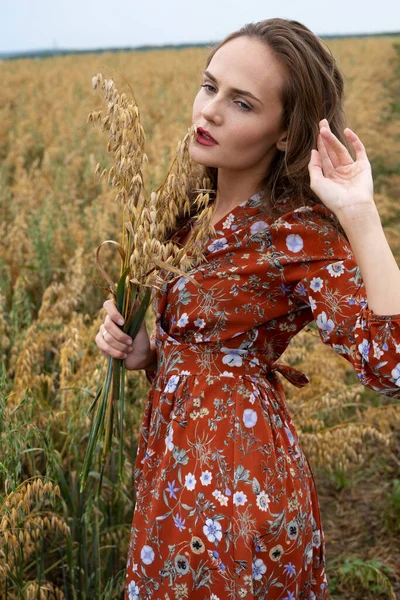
121,321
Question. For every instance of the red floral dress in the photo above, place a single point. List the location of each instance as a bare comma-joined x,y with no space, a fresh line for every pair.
226,505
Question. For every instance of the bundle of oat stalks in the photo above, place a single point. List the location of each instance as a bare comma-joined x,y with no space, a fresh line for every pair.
147,255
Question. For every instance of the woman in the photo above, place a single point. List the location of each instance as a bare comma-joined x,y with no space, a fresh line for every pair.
226,502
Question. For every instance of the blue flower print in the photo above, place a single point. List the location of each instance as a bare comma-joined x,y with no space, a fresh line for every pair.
233,356
316,284
179,522
171,384
171,489
183,320
147,554
190,481
259,568
335,269
396,374
180,284
258,226
206,477
324,323
290,596
294,242
289,569
213,530
220,244
133,591
249,417
363,349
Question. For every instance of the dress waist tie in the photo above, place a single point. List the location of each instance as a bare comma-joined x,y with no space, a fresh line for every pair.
296,377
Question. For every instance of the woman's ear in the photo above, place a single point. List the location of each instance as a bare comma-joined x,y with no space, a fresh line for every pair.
281,143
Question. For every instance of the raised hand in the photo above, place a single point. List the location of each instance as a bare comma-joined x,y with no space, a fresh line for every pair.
344,186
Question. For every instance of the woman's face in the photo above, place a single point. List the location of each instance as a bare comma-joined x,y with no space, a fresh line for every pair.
246,129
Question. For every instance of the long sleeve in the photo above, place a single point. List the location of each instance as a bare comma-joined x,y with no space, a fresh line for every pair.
323,278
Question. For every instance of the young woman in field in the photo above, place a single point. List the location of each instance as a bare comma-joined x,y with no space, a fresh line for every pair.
226,503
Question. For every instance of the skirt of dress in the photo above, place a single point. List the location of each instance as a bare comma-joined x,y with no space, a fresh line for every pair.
226,504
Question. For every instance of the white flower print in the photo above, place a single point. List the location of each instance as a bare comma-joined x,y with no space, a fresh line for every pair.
190,481
223,500
168,440
377,351
213,530
363,349
183,320
335,269
308,553
293,529
206,477
228,221
313,304
233,356
227,374
147,555
252,398
172,384
214,597
249,417
316,539
198,337
259,568
316,284
180,284
324,323
133,591
258,226
294,242
262,501
396,374
254,361
200,323
289,436
239,498
220,244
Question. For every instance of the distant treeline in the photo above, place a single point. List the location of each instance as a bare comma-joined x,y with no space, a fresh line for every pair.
60,52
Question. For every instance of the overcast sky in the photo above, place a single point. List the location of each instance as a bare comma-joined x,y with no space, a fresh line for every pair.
82,24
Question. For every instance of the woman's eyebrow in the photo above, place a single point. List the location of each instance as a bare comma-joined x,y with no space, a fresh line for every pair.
236,90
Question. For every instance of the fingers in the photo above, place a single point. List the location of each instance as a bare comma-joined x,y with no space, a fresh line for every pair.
115,332
109,346
357,144
112,310
111,340
325,158
340,154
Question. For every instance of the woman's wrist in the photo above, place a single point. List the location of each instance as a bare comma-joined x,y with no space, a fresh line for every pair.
151,365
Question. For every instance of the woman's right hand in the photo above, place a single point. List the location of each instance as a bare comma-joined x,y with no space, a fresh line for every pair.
112,341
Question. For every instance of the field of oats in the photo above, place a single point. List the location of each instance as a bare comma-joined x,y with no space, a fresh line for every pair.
56,542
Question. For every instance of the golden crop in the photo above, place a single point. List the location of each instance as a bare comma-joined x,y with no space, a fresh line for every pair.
56,542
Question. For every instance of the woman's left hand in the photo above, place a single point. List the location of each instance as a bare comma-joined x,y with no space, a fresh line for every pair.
343,185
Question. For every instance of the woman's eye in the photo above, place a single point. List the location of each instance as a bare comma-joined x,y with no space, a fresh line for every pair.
207,85
243,105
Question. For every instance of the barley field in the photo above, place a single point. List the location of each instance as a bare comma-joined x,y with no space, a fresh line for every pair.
56,542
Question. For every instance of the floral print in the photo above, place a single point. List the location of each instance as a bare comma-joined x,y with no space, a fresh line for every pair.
226,505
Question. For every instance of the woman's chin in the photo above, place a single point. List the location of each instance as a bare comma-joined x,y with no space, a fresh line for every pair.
199,157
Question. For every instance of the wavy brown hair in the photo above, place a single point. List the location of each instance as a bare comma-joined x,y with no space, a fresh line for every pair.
313,90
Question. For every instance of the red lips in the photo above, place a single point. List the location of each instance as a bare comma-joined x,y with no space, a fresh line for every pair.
207,133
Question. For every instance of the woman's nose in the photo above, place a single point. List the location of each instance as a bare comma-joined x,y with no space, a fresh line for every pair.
212,111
